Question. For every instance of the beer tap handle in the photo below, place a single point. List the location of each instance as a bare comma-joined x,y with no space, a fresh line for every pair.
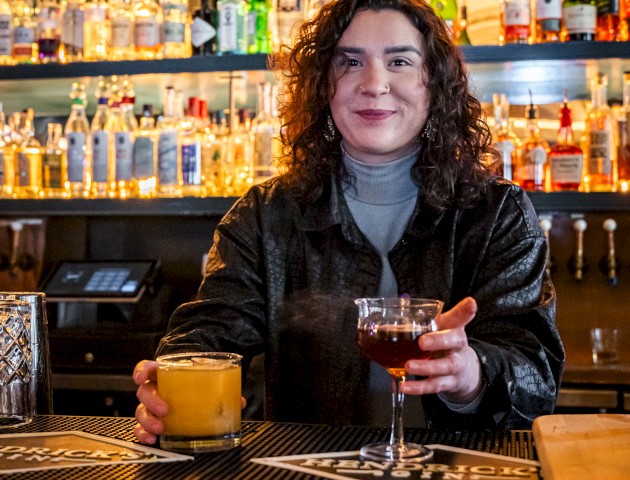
545,224
579,262
612,265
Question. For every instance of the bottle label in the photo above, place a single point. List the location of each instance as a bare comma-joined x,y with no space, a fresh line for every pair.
173,32
506,148
167,158
72,27
201,32
536,156
546,9
23,170
566,168
100,156
76,156
143,161
5,34
580,18
516,13
146,33
599,152
228,28
121,32
191,165
23,35
124,155
51,170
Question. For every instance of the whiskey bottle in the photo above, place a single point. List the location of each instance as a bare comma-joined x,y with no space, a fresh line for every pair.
203,31
28,159
145,155
54,167
532,171
566,160
548,20
176,28
6,37
447,9
580,19
608,20
623,126
147,36
515,22
79,149
505,140
598,142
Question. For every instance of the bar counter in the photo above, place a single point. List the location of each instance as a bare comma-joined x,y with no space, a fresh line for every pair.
260,439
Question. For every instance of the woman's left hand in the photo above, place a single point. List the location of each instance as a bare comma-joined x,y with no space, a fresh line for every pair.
454,369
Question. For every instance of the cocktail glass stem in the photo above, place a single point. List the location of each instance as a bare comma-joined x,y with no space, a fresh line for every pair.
397,436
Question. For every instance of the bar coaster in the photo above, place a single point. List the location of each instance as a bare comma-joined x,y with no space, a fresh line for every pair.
447,463
23,452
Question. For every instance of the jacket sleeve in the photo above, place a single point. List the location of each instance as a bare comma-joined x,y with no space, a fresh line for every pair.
514,332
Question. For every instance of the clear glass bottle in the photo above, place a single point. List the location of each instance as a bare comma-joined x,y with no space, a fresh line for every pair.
176,28
515,22
598,142
232,29
532,172
190,149
623,127
548,20
238,161
264,129
121,30
169,161
122,131
13,141
72,31
447,9
79,149
96,30
580,19
566,159
505,140
28,159
145,155
213,154
6,33
49,31
102,169
203,30
289,15
147,36
54,167
4,191
24,33
258,33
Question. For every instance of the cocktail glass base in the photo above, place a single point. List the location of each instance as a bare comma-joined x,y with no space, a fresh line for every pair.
11,421
386,452
186,444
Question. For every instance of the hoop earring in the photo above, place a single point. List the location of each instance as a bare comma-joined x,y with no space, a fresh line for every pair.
330,132
430,129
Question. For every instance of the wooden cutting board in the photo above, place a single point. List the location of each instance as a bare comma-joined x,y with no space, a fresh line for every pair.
589,446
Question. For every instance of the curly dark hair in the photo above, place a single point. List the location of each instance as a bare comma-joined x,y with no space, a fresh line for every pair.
451,167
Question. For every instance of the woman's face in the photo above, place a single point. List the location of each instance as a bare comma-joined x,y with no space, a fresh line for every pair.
381,100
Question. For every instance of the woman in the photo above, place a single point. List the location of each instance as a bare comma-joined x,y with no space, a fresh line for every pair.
385,193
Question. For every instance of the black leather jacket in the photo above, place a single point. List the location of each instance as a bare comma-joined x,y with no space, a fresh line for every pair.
281,278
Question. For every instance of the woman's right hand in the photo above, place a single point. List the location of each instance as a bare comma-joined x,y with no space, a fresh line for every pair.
152,408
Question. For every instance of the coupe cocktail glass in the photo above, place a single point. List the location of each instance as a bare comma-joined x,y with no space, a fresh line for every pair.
387,333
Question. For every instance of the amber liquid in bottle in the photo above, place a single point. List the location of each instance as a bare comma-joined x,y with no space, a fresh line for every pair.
566,159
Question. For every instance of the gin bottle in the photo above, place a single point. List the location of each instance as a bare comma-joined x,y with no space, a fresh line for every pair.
289,15
6,34
176,28
102,168
79,149
258,32
145,155
54,167
169,161
232,29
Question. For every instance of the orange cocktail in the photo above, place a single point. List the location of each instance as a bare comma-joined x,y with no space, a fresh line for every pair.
203,392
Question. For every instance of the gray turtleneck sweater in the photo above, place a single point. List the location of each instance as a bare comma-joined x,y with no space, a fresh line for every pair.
381,198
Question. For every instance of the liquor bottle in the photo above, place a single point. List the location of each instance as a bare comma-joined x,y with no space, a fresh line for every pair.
548,20
5,188
121,33
13,140
608,21
28,159
122,135
515,22
54,167
566,159
6,34
169,162
176,28
203,31
289,15
580,19
24,33
145,155
213,153
232,14
238,161
505,140
49,31
96,30
258,32
626,27
72,31
190,149
623,126
598,142
79,149
447,9
461,32
264,129
102,184
533,163
147,29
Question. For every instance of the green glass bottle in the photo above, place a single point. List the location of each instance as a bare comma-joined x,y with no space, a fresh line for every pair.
258,32
447,9
461,34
